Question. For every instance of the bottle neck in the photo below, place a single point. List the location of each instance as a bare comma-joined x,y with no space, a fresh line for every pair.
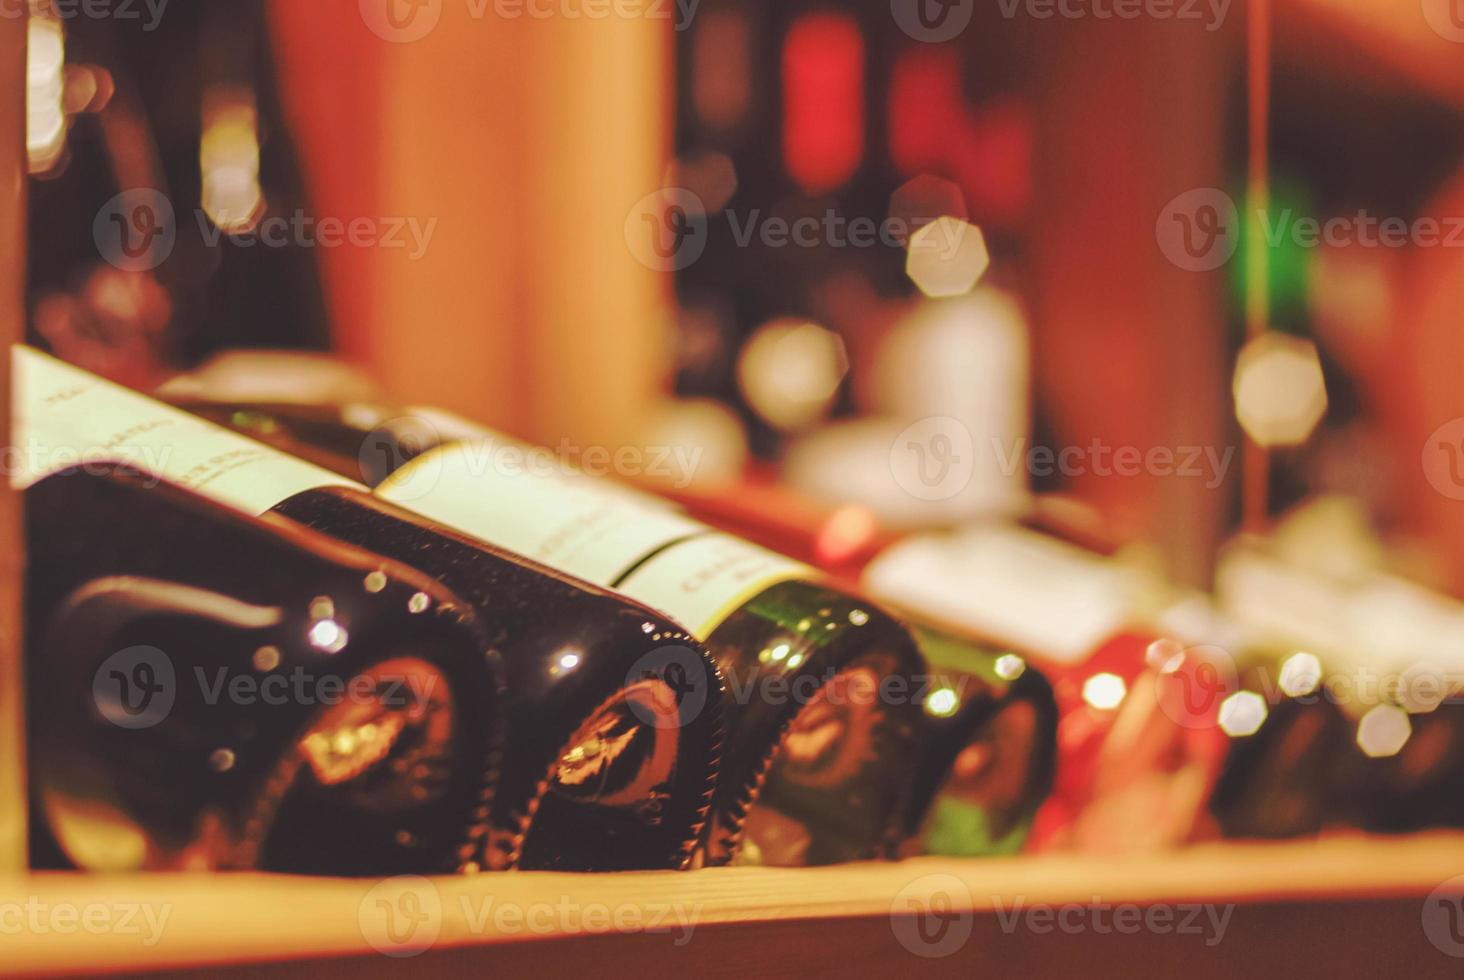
68,419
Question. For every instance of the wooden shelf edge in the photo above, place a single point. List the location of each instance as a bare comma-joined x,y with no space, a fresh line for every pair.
181,921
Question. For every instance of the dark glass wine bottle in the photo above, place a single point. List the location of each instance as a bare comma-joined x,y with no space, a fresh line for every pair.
990,754
823,685
212,690
614,713
1358,675
1282,773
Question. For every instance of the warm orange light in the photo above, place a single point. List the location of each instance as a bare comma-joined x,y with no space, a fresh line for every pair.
847,531
947,257
1280,395
1383,731
790,370
1104,691
45,93
229,160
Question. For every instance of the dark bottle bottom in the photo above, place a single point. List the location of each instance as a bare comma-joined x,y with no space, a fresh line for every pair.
375,786
831,789
987,800
623,792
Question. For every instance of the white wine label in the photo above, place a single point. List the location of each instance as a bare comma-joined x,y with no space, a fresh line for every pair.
1013,586
67,418
701,582
528,501
502,493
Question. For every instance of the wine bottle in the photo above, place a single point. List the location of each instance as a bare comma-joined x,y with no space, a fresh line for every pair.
1138,758
990,753
1283,779
824,687
1377,655
212,690
615,714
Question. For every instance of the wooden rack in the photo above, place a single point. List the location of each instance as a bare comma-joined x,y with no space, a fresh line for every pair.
12,329
1345,906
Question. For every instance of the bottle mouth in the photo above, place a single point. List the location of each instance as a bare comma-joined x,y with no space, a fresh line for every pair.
826,787
609,801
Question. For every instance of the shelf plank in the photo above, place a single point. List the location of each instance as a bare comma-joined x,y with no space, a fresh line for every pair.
1352,902
12,330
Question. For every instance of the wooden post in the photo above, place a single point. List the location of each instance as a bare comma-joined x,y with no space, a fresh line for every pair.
1130,347
12,538
519,144
528,142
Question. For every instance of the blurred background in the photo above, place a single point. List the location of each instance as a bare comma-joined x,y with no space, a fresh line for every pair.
1185,268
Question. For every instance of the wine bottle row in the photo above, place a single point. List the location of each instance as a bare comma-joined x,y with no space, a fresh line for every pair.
241,659
340,639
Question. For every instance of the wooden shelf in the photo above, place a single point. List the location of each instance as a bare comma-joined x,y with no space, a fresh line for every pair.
1351,905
